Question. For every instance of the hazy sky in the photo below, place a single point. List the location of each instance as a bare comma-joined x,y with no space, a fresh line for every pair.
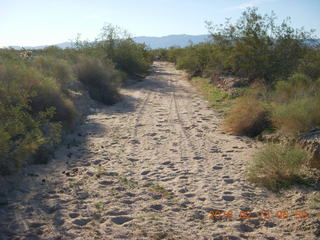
40,22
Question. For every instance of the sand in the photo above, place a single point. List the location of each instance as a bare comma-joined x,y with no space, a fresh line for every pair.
152,166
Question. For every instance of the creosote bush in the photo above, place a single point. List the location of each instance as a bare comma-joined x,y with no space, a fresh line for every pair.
277,166
298,116
116,45
59,69
286,60
22,131
101,80
36,102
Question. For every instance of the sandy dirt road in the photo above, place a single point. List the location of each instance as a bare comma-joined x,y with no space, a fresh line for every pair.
150,167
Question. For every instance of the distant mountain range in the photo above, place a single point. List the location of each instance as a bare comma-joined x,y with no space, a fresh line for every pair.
181,40
60,45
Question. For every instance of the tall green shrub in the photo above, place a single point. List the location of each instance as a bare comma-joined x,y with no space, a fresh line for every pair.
101,81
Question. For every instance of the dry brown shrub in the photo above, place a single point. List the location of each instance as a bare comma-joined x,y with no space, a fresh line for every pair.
247,117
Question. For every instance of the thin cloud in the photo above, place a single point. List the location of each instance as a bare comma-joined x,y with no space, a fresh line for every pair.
249,3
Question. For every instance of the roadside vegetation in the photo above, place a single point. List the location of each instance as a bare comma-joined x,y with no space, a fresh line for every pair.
278,166
279,91
36,104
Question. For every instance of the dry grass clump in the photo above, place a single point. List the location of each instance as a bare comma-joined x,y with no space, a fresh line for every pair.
247,117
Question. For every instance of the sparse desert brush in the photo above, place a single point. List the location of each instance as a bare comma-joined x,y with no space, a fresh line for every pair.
132,58
44,93
310,63
59,69
296,104
195,59
101,80
295,87
248,116
115,45
46,97
277,165
297,116
21,132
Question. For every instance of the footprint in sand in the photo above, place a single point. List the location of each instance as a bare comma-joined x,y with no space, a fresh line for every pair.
229,181
133,159
228,198
217,167
82,221
190,195
106,182
145,172
157,207
134,141
121,220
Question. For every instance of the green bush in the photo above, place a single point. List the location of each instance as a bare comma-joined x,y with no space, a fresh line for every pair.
115,45
131,58
297,116
310,63
277,166
102,81
195,59
21,132
296,104
295,87
174,53
59,69
253,47
46,97
45,92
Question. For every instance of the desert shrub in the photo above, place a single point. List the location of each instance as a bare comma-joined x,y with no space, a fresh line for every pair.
131,58
159,54
296,104
46,97
115,45
310,63
51,91
297,116
70,54
173,54
276,166
21,132
45,92
101,80
255,47
189,62
195,59
247,116
296,86
59,69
